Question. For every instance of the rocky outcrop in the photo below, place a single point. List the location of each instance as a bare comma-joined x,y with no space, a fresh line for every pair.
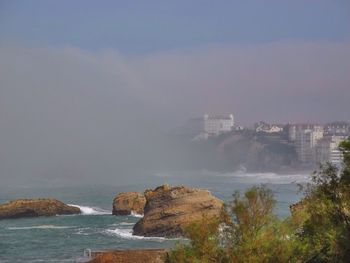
169,210
128,203
131,256
35,207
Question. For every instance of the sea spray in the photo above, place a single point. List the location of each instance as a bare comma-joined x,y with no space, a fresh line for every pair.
87,210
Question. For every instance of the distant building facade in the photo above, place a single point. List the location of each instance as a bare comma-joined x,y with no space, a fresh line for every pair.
305,141
339,128
207,126
291,130
216,125
327,150
318,144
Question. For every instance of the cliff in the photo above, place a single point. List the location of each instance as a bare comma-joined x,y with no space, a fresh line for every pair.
237,149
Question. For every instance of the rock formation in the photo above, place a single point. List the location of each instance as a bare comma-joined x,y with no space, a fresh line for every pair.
169,210
131,256
128,203
35,207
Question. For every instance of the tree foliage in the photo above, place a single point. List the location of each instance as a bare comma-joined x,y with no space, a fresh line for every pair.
326,228
318,229
247,231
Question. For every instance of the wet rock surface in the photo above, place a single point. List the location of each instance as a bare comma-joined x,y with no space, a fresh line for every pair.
128,203
169,210
35,207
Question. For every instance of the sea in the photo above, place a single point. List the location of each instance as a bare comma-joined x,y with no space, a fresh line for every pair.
64,238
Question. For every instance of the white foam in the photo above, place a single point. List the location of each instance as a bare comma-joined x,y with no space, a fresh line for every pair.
136,215
39,227
125,224
81,231
262,178
90,210
126,233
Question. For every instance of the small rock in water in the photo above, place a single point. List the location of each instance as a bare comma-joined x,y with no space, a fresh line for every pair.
35,207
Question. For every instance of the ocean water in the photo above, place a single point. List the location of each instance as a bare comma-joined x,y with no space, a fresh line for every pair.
64,238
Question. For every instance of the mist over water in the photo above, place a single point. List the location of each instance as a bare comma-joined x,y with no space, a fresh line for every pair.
74,116
37,239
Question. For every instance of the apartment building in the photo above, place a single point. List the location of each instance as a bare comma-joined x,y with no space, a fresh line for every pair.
306,138
216,125
327,150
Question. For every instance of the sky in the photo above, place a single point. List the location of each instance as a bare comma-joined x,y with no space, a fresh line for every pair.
78,77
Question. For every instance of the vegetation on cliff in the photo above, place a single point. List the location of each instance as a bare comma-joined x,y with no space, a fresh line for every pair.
318,229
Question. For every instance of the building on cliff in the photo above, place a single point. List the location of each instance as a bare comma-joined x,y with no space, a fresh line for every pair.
208,126
216,125
264,127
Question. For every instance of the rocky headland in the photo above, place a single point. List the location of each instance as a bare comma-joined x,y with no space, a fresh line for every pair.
35,207
128,202
169,210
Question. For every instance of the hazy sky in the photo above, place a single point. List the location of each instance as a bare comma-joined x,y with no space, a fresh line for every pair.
78,77
149,26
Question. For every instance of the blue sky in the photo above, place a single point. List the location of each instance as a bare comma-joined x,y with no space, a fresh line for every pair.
150,26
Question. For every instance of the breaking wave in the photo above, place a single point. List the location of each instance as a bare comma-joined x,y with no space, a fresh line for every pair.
126,233
126,224
136,215
39,227
261,178
89,210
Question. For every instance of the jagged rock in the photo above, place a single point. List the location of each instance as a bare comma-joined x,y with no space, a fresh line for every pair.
131,256
35,207
169,210
128,203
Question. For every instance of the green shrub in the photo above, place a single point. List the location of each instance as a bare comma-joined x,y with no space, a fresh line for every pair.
248,231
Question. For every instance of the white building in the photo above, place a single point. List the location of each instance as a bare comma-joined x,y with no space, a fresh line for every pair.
206,126
327,150
216,125
294,128
306,138
339,128
268,128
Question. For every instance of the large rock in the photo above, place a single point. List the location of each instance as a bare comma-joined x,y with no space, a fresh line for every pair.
169,210
131,256
128,203
35,207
